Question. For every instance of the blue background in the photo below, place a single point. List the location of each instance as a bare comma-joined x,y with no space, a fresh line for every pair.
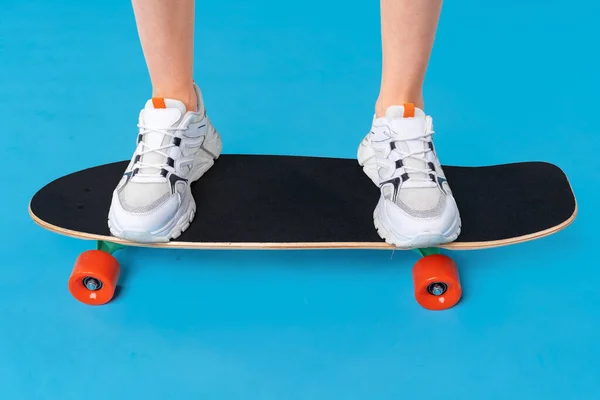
508,81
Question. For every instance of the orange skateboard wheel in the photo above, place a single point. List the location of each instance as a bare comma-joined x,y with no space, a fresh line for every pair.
436,282
94,277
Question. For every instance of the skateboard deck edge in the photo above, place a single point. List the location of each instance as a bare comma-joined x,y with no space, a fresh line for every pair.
300,245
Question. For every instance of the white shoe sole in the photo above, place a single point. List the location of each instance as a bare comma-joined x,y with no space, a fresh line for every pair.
174,228
424,239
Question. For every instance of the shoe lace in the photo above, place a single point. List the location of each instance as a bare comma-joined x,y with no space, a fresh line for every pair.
170,132
416,174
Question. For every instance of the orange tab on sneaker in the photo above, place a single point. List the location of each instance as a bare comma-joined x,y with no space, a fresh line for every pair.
158,102
409,110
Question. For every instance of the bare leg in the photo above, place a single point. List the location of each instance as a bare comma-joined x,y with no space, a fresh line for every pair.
416,208
166,30
407,30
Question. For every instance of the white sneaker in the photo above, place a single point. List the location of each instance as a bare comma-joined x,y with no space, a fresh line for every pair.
153,201
416,208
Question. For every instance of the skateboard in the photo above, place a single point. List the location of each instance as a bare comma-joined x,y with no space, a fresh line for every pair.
296,202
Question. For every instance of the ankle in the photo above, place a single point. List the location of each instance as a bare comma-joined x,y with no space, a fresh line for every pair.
186,96
383,103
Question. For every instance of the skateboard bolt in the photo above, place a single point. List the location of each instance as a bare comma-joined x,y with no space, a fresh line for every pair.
92,283
437,288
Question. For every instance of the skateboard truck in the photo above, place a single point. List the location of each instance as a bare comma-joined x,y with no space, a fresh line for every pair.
109,247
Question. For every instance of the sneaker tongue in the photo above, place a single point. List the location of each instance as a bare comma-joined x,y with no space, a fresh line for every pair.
159,114
404,127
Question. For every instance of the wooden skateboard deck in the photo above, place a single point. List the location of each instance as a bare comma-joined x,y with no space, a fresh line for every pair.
248,201
292,202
